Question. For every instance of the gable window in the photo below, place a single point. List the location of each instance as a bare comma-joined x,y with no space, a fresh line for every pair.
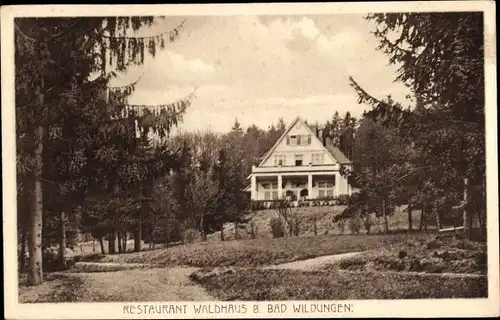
298,140
279,160
325,188
292,140
318,158
298,159
270,191
305,140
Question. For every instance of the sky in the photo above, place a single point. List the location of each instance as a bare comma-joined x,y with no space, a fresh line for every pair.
259,68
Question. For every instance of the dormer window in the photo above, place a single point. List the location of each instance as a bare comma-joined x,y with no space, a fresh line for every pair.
298,140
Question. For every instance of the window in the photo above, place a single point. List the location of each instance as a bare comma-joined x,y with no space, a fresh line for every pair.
298,140
305,140
279,160
298,159
325,188
317,158
271,191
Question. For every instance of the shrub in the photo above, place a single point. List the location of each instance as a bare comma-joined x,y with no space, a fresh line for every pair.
368,223
167,231
343,199
277,228
341,225
51,261
190,235
296,222
355,224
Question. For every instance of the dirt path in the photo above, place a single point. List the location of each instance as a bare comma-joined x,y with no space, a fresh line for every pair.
314,263
156,284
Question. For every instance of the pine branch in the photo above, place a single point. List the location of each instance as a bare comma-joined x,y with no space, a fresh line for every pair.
170,32
19,30
130,85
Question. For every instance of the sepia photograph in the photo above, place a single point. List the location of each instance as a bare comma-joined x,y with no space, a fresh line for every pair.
317,157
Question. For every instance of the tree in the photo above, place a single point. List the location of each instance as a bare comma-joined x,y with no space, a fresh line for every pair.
441,59
55,58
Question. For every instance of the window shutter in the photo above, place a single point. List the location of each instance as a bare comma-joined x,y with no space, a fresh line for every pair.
287,140
309,139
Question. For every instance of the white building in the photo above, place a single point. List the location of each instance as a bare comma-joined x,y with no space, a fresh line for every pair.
299,166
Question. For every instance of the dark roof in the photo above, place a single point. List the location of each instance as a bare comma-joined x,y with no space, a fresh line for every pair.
338,155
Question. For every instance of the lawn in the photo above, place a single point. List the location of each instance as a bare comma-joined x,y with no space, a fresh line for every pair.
257,252
260,285
438,256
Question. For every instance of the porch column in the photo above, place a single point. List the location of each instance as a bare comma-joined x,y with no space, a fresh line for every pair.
337,183
309,186
254,188
280,183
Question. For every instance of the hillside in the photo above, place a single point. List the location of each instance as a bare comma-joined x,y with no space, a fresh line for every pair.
324,223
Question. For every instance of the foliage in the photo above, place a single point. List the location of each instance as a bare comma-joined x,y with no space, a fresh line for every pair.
277,227
440,58
450,257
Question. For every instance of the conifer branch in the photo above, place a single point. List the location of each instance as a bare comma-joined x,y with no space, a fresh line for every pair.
170,32
24,35
127,85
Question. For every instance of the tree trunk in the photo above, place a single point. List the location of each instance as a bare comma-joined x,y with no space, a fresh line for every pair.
138,233
22,259
62,239
137,240
93,245
436,214
124,239
101,242
425,218
236,231
111,242
384,214
35,270
410,222
222,233
203,235
120,242
466,216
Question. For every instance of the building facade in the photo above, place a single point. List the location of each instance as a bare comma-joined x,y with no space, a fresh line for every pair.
299,166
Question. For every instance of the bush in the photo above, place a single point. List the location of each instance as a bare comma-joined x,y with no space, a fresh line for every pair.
296,222
190,235
167,231
355,224
277,228
51,261
343,199
368,223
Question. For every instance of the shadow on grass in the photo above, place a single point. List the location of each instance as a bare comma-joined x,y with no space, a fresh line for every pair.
55,288
254,284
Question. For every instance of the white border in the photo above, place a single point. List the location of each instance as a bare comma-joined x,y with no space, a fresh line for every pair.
362,308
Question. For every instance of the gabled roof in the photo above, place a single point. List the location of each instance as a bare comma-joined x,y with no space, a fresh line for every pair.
313,136
338,155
